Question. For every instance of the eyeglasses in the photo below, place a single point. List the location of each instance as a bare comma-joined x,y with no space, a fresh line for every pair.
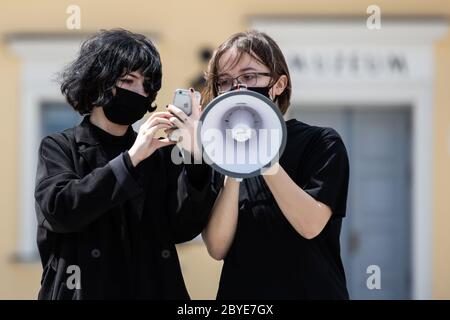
250,79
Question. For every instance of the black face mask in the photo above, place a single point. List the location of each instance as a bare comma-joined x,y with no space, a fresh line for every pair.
127,107
261,90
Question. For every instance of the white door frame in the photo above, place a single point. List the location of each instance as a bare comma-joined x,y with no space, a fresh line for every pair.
414,89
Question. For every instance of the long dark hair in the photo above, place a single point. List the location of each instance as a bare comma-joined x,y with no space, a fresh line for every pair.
104,58
259,46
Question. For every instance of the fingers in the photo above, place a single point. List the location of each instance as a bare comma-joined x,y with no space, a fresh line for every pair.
155,128
158,120
162,117
162,114
170,130
159,143
148,125
177,112
175,121
174,135
195,104
194,100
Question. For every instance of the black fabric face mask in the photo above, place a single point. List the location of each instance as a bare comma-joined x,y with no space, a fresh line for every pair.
127,107
261,90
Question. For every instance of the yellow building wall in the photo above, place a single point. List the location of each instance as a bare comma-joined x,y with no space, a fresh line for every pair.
180,29
441,174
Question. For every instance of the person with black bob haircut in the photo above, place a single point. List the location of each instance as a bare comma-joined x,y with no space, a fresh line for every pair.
110,203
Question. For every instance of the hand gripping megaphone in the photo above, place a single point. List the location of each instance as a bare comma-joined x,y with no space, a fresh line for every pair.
241,133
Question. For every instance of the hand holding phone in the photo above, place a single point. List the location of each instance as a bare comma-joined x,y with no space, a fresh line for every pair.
182,100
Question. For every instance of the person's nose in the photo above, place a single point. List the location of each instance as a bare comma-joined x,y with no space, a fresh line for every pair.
141,90
236,82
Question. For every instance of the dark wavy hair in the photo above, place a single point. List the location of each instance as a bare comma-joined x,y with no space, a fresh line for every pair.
259,46
104,58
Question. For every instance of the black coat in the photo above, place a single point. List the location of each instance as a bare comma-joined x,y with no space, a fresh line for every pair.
119,229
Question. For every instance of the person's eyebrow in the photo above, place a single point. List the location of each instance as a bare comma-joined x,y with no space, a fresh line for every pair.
225,74
131,75
247,69
241,71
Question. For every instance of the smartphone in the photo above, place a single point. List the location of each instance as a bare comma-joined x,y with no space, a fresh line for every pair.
182,100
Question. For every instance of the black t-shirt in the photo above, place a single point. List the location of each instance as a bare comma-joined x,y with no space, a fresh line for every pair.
268,258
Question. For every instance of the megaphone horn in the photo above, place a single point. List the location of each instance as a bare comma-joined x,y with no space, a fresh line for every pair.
241,133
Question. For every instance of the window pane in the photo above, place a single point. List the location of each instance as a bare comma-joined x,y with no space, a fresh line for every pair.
57,116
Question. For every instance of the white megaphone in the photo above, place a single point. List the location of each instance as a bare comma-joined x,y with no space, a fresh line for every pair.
241,133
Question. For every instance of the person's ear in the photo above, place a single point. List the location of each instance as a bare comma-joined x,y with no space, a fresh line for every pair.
279,86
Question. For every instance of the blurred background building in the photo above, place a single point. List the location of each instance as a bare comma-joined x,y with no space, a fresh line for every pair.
386,91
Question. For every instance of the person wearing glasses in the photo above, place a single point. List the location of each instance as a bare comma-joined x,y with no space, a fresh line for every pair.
277,234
